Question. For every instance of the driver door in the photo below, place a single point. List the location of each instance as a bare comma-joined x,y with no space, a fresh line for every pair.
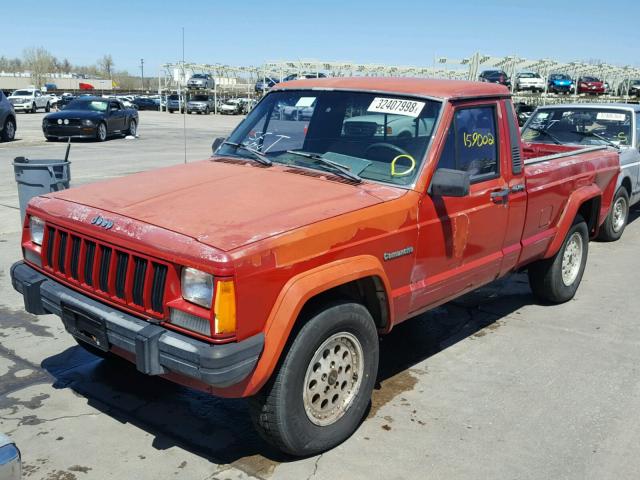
115,119
461,238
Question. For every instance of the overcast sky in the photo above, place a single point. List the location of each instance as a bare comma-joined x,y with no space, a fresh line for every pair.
394,32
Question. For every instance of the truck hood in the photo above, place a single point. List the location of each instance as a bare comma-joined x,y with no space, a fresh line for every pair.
228,203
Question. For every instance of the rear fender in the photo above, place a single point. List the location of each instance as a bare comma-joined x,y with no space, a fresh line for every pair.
292,298
576,200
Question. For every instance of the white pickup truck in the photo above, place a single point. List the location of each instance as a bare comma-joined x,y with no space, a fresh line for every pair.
29,100
614,124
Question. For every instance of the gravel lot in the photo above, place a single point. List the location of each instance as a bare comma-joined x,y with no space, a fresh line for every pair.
490,386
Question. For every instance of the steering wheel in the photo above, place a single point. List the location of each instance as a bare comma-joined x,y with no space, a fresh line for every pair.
397,150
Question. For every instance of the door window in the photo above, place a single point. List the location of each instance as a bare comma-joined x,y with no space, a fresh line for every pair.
472,143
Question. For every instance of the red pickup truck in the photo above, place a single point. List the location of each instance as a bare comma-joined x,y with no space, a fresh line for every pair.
269,270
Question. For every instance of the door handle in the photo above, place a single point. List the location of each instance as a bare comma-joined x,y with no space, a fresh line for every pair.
500,196
518,188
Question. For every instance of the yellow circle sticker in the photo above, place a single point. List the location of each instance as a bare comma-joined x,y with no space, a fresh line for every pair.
402,173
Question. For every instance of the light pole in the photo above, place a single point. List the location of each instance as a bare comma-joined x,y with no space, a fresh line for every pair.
142,73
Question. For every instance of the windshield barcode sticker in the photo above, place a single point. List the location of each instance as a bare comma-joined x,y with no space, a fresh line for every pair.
616,117
398,106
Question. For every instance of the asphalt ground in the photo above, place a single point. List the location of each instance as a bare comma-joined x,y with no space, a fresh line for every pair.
491,386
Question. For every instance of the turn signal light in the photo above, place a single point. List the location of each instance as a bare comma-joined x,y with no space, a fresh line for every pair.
225,307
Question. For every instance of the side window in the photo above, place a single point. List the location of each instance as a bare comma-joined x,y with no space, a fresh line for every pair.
472,143
637,130
114,106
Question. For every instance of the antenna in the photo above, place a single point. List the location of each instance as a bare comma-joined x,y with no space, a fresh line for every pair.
184,104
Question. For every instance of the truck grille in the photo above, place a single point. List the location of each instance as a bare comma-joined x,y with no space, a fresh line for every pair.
111,272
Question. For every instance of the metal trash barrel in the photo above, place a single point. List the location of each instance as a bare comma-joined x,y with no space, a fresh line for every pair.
37,177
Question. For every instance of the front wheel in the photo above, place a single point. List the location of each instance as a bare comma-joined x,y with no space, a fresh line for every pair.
101,132
556,279
616,221
319,394
34,109
9,130
47,108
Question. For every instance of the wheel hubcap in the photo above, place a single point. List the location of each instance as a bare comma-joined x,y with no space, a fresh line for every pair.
619,214
11,130
132,128
102,131
333,378
572,259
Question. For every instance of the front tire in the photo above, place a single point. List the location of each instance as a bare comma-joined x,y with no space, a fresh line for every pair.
34,109
616,221
320,393
47,109
9,130
101,132
556,279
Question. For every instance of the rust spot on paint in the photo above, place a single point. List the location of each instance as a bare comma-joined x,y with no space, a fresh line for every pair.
460,234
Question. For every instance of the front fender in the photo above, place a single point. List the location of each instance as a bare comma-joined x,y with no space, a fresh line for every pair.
293,296
576,199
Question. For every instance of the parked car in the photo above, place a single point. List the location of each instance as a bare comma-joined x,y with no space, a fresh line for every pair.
606,124
65,99
91,117
200,81
7,119
143,103
495,76
201,104
629,87
590,85
303,76
265,83
174,103
523,112
529,81
29,100
280,296
233,106
10,459
560,83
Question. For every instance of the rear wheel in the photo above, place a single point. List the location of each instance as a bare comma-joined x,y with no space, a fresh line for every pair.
34,109
319,394
133,128
9,130
47,108
616,221
556,279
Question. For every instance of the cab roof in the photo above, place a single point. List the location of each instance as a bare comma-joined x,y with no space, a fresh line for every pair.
437,88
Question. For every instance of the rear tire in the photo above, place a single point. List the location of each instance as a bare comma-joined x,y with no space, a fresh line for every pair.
616,221
34,109
133,128
47,109
9,130
319,394
556,279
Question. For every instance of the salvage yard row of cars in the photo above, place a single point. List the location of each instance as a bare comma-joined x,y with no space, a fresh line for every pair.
394,197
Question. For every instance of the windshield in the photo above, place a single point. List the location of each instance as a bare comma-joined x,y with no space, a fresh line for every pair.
25,93
528,75
560,77
200,98
198,75
376,136
590,79
581,126
174,97
93,105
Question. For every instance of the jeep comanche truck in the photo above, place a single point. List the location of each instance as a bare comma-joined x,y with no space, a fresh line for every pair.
268,270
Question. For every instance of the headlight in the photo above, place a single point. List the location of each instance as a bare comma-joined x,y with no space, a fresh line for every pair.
197,287
87,122
36,229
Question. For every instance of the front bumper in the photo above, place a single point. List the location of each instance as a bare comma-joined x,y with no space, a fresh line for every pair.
156,350
75,131
22,106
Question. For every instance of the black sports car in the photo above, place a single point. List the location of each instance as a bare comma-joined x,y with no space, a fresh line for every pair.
91,117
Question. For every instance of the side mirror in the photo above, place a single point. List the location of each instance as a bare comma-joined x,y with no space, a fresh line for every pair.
216,144
447,182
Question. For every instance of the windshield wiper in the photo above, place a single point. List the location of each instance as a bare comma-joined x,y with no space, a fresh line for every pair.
547,133
259,157
598,136
338,168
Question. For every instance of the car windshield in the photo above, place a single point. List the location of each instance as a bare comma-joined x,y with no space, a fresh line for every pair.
560,77
26,93
173,97
581,126
198,75
528,75
93,105
590,79
376,136
200,98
